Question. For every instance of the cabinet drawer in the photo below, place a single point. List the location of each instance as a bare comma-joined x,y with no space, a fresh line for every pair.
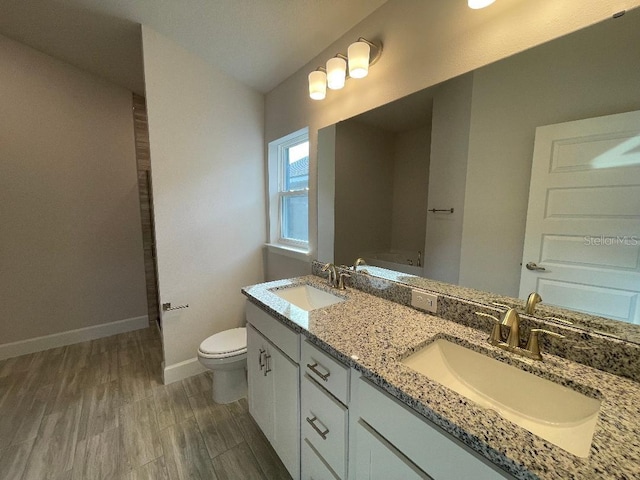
427,446
313,466
328,372
280,335
324,425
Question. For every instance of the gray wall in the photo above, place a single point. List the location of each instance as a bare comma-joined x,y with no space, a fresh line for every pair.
426,42
447,178
410,181
205,132
70,240
363,190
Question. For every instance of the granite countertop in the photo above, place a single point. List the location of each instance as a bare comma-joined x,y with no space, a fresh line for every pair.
373,335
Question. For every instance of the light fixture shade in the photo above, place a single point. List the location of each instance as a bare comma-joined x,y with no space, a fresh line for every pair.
476,4
336,73
318,85
358,54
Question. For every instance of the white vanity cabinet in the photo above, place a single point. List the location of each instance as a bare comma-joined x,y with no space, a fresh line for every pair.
327,422
390,441
273,353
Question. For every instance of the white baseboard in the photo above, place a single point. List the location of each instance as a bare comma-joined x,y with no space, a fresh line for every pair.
61,339
178,371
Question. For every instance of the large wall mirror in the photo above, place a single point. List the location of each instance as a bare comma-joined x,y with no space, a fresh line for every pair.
437,184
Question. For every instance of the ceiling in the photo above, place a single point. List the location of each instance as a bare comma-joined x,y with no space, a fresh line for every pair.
258,42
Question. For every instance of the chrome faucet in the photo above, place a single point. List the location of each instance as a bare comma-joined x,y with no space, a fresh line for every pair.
532,301
333,275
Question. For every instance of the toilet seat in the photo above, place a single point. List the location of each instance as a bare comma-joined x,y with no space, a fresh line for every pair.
226,344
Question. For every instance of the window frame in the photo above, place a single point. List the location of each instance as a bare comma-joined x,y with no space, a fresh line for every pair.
277,159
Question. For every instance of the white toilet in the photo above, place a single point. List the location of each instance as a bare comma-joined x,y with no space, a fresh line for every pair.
225,354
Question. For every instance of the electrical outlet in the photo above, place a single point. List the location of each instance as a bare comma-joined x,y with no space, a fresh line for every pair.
424,301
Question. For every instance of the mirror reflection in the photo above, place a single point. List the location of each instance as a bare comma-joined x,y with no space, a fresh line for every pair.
469,144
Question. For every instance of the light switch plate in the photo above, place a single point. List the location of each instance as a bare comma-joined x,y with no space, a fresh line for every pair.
424,301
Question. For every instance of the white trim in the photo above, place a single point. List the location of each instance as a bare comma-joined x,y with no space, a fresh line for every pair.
181,370
291,252
70,337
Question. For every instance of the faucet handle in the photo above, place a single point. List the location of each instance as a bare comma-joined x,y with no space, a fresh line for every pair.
496,332
533,346
501,305
341,284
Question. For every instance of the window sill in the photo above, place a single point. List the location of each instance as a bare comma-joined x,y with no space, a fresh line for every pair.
291,252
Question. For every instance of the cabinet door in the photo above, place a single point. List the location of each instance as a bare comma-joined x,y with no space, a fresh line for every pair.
377,459
285,408
260,393
313,466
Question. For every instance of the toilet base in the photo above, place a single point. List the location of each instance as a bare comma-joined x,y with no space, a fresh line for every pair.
229,385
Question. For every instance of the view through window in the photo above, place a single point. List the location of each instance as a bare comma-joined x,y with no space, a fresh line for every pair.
294,194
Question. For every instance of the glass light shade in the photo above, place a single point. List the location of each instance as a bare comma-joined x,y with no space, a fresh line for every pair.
476,4
358,54
318,85
336,73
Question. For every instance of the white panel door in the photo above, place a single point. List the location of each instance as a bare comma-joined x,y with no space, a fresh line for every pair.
583,220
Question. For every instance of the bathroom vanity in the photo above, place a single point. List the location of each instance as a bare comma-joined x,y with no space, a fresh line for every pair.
328,387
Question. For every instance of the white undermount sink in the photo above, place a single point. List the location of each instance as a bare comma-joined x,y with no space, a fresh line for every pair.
307,297
558,414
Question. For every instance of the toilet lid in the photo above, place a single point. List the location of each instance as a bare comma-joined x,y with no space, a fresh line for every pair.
228,341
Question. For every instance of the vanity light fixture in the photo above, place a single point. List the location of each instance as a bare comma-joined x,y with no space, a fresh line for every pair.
318,84
360,55
477,4
336,72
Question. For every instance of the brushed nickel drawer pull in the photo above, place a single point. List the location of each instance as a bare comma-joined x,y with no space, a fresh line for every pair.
315,427
323,376
260,362
267,364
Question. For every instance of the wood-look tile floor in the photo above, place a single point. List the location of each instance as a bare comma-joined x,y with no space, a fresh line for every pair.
98,410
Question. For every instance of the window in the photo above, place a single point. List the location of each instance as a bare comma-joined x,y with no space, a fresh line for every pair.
289,190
